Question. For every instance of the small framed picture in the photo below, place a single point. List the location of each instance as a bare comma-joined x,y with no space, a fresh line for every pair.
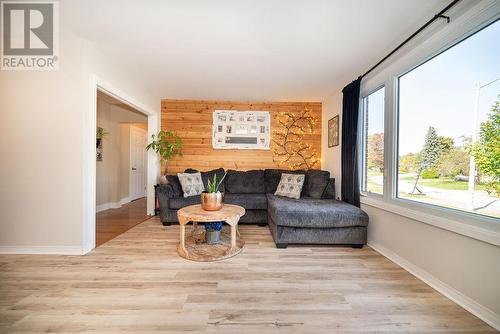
241,129
333,131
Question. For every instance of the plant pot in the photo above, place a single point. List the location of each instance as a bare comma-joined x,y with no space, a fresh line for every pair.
212,237
212,201
162,179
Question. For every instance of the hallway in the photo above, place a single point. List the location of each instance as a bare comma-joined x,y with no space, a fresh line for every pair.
113,222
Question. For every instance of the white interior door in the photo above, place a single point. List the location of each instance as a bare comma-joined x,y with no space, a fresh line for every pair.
138,163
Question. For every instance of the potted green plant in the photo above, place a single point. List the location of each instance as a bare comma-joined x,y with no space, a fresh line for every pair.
212,198
167,145
101,133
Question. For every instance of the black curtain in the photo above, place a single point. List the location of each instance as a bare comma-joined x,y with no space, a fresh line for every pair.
350,111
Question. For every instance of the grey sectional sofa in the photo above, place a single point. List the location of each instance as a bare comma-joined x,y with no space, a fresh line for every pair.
315,218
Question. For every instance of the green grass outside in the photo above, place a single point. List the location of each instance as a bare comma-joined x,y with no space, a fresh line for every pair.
371,185
442,183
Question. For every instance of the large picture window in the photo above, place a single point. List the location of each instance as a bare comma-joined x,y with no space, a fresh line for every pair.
449,127
372,145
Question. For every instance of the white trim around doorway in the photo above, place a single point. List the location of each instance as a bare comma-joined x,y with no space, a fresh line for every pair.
89,156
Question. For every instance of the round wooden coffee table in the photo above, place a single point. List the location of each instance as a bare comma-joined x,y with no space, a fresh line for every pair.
193,247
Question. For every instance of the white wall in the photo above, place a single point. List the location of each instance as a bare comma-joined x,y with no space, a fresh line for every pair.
41,144
330,156
40,140
465,269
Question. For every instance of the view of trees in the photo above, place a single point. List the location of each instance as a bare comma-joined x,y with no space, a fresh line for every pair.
376,152
443,162
429,156
455,160
486,151
441,157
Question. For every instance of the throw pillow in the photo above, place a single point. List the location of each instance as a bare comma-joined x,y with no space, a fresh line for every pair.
316,182
206,176
191,183
272,178
290,185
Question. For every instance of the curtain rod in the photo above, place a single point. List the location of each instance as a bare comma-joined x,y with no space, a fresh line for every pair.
439,15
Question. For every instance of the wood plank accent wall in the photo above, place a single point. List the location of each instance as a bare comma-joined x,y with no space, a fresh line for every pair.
192,121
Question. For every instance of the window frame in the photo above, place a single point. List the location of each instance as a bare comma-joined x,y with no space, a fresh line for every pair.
363,144
469,22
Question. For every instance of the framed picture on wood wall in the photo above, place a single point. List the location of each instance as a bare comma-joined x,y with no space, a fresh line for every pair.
241,130
333,131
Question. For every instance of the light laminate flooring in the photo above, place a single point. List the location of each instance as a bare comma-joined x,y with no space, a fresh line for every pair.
136,283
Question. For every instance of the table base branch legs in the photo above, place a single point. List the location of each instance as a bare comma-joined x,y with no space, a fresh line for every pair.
182,238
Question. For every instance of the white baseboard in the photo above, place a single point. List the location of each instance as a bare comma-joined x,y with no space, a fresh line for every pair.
125,200
112,205
42,250
467,303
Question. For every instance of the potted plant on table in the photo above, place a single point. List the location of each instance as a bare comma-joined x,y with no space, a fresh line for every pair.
212,198
167,145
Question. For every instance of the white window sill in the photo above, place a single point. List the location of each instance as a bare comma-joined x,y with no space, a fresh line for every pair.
484,229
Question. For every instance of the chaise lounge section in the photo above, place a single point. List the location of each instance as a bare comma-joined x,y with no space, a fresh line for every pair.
315,218
315,221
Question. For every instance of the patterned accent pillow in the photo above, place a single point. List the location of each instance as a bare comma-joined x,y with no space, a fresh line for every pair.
191,183
290,185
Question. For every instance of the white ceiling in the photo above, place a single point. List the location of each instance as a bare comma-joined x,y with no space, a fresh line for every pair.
268,50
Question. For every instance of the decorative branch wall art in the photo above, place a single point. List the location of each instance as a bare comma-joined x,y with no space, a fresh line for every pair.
289,149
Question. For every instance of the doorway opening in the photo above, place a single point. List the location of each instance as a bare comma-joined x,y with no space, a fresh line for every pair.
121,168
